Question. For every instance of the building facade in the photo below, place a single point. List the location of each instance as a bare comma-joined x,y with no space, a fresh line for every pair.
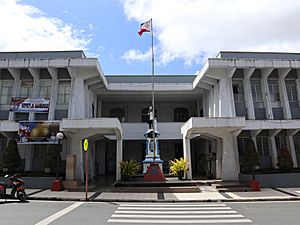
205,118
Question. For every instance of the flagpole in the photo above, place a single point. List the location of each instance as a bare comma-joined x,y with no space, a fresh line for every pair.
153,108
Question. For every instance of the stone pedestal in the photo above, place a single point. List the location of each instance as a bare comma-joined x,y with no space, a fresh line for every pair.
152,151
70,167
154,174
70,181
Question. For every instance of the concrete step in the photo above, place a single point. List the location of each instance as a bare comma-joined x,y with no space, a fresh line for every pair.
231,187
154,184
186,189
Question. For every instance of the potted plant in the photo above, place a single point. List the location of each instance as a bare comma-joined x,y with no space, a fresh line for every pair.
250,162
178,168
11,160
129,168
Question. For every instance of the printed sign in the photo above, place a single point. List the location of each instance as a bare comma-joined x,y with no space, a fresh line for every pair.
20,104
38,132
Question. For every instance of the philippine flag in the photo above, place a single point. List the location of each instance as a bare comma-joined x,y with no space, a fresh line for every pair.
145,27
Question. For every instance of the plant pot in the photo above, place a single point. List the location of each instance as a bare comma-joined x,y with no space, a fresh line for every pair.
180,175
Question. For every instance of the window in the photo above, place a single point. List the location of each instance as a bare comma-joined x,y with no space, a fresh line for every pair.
280,142
117,112
262,146
235,88
181,115
292,92
45,89
238,90
26,88
256,92
274,92
297,144
64,88
242,143
6,92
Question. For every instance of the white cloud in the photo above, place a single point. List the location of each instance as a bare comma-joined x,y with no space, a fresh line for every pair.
193,30
137,55
26,28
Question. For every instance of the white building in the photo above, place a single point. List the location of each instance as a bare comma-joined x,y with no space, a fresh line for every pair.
236,95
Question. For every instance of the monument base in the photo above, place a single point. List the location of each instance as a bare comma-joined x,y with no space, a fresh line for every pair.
154,174
147,163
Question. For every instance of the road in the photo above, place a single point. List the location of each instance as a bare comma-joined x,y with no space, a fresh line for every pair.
92,213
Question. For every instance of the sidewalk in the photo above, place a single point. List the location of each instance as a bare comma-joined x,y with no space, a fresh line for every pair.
206,194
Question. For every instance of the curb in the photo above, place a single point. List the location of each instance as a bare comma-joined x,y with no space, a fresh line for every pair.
168,201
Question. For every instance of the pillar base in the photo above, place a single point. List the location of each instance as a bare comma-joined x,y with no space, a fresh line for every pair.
154,174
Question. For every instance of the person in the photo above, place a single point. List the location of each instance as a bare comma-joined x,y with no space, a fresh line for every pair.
151,117
52,138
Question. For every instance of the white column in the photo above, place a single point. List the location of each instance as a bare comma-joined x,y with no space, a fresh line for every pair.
283,93
230,163
36,87
28,157
216,100
226,106
187,154
77,107
54,93
290,141
298,86
119,157
211,103
265,92
16,75
273,133
76,149
219,154
248,93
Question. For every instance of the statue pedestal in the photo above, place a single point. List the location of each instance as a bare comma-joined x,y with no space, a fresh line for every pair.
154,173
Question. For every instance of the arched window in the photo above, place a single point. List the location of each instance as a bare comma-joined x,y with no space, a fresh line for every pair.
117,112
181,115
145,116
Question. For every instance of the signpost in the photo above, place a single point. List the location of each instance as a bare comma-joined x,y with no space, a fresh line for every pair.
85,148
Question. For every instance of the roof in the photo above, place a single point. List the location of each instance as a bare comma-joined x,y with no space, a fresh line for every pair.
148,78
43,55
258,55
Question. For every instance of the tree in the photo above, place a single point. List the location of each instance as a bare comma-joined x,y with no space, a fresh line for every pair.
250,158
11,157
284,159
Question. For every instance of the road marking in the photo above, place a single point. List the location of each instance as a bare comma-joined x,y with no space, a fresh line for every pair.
173,205
173,208
178,216
177,212
181,221
59,214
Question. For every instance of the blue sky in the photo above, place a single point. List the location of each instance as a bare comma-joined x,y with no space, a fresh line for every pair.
186,32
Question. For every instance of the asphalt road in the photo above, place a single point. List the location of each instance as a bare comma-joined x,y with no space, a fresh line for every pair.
92,213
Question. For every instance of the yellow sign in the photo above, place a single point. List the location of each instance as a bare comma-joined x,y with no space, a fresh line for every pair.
85,145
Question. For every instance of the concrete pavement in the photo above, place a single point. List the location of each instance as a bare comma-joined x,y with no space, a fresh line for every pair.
206,194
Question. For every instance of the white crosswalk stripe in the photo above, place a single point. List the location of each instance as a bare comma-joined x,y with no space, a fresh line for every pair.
176,214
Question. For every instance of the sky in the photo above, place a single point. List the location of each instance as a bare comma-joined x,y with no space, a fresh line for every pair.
186,32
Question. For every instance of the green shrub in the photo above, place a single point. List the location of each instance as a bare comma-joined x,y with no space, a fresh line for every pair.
11,157
129,168
284,159
178,168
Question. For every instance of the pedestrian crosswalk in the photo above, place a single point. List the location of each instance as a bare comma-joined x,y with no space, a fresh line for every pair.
154,213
